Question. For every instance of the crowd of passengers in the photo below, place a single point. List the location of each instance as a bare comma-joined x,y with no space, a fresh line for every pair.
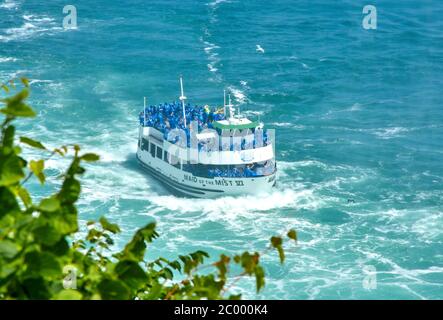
250,170
168,116
165,117
254,170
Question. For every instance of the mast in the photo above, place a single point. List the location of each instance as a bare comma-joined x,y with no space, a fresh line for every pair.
183,98
144,111
224,102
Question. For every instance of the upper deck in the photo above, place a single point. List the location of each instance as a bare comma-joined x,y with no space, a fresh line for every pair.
206,135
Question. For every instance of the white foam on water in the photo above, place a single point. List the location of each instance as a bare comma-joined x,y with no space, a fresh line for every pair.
212,68
33,25
252,112
33,18
115,183
429,227
225,207
390,133
37,81
211,52
239,95
355,107
6,76
9,4
281,124
217,2
7,59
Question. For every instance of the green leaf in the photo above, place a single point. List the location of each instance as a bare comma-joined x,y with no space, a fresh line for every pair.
47,234
5,88
111,227
136,248
25,196
16,107
277,244
176,265
90,157
8,249
66,222
259,277
113,290
19,110
8,137
154,292
8,202
222,266
36,288
131,274
60,248
276,241
25,82
249,261
11,170
168,274
69,295
199,256
44,264
32,143
70,191
292,234
49,205
37,168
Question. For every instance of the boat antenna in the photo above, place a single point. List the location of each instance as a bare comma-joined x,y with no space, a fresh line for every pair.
224,102
144,111
183,98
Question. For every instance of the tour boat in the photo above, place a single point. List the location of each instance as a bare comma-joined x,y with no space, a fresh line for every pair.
204,152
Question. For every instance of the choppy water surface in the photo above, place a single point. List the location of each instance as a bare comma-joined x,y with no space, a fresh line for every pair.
358,115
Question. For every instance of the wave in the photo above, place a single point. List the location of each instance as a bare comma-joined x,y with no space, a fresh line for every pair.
6,76
286,198
214,60
9,4
389,133
33,26
239,95
281,124
7,59
33,18
217,2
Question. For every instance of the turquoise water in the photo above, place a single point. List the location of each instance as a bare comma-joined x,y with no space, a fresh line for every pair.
358,115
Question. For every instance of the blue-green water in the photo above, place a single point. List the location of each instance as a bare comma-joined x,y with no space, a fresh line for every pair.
358,114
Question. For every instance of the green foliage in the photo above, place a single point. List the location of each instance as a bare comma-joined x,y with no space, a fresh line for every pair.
40,260
32,143
277,243
292,234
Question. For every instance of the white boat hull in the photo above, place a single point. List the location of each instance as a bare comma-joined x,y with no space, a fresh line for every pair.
186,184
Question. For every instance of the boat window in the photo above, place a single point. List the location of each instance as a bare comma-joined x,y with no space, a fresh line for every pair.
144,145
152,146
173,160
159,152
